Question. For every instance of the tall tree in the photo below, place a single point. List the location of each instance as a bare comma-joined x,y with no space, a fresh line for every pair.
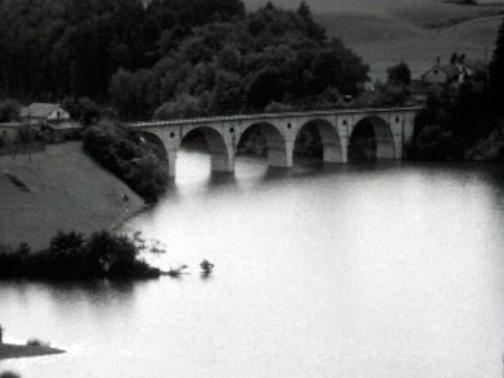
399,74
313,30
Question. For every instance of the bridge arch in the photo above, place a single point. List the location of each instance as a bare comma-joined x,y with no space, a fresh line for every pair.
329,139
222,159
275,143
371,139
155,140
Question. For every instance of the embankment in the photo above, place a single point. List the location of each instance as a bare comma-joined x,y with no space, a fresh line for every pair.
59,189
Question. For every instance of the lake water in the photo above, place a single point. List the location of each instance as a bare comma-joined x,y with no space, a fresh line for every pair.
388,270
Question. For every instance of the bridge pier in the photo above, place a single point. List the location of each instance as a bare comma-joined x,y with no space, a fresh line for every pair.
385,148
399,146
281,157
332,154
344,148
172,163
223,163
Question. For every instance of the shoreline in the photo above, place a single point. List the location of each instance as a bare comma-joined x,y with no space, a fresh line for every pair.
119,224
10,351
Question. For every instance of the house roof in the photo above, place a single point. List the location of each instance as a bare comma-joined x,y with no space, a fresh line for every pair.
450,70
39,110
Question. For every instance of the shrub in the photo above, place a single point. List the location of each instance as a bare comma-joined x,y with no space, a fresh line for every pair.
183,106
434,143
277,107
37,343
83,110
9,374
9,110
399,74
122,152
71,256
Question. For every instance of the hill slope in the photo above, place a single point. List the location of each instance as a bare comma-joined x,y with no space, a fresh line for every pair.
67,191
386,31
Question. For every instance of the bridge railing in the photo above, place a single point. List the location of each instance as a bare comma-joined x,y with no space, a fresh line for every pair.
270,115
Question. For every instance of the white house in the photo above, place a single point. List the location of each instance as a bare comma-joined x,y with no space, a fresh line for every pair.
441,74
42,112
456,72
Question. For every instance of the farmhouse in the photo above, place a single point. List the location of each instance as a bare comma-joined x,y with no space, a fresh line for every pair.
39,112
441,74
52,118
458,70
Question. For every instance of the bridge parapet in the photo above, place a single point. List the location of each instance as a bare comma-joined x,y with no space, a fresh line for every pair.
272,116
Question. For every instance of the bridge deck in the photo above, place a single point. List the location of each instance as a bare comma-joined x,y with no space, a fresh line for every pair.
263,116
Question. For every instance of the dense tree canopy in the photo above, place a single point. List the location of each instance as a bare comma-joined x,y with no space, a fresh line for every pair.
53,48
246,64
399,74
144,56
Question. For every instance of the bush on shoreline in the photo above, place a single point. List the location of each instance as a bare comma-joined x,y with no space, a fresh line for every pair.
9,374
123,153
34,342
72,256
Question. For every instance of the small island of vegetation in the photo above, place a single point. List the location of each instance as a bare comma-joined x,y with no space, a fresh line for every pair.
32,348
72,256
19,351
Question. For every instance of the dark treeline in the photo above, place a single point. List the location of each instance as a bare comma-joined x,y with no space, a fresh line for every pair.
54,48
171,57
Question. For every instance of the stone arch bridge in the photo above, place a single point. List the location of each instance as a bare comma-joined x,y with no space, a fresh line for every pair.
392,130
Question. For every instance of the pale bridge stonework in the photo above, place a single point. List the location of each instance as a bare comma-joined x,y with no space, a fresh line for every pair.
393,129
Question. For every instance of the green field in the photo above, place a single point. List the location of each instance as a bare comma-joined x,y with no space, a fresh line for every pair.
418,31
67,191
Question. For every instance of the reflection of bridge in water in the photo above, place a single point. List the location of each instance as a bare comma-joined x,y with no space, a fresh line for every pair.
391,129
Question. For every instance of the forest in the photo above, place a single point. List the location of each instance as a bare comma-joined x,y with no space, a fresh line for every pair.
172,58
134,59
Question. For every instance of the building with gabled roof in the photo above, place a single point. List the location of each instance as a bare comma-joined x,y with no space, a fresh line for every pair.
441,74
456,72
39,112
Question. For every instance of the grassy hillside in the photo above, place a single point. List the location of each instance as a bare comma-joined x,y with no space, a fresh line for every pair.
421,48
66,190
384,32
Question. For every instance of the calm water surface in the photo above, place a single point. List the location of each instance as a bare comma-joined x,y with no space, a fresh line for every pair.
355,271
